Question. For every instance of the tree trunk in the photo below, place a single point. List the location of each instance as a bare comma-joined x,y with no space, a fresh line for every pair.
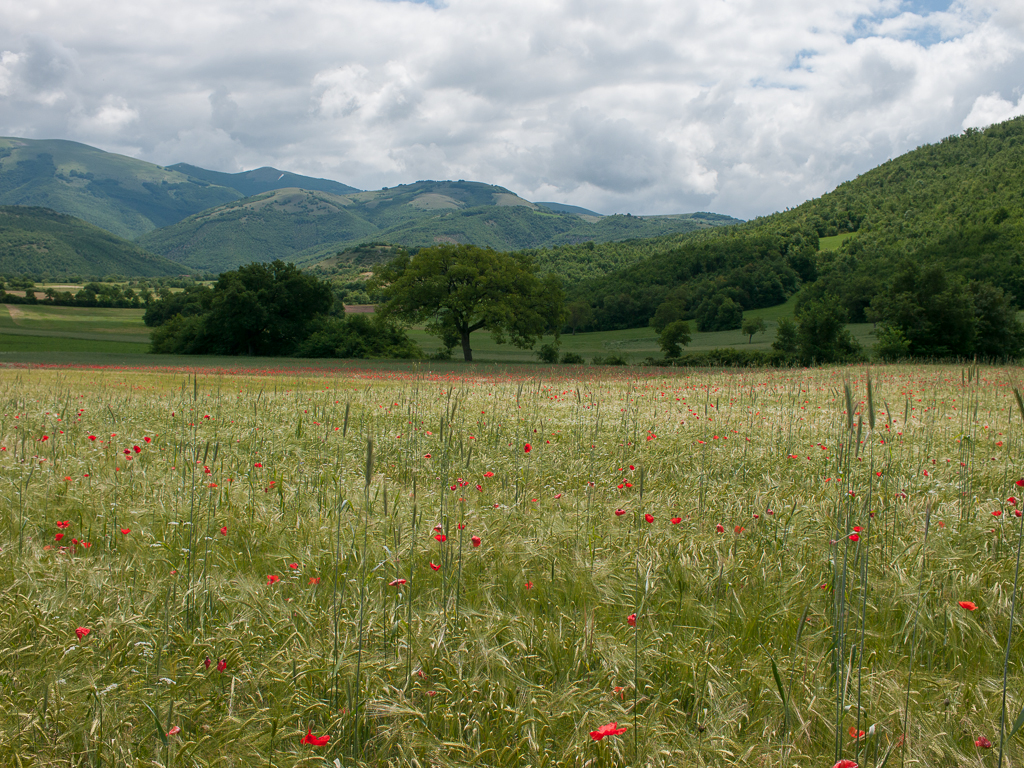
466,351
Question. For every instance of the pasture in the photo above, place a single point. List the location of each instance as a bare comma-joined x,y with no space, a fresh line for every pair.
41,328
565,567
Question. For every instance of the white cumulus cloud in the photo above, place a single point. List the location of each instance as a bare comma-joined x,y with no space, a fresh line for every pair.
649,106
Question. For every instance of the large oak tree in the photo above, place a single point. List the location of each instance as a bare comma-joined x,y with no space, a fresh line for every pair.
458,289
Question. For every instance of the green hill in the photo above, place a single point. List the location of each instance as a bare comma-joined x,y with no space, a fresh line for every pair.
308,227
122,195
261,180
957,203
38,241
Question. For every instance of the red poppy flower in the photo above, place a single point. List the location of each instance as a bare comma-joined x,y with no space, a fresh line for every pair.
63,523
612,729
488,474
854,537
631,619
293,566
126,531
273,578
93,438
222,665
82,632
476,541
997,513
648,517
1012,500
528,585
86,544
426,455
206,662
676,520
435,567
396,583
316,741
58,536
967,605
855,734
137,449
224,530
845,764
440,537
982,743
857,529
174,729
314,580
1020,483
527,448
148,439
738,530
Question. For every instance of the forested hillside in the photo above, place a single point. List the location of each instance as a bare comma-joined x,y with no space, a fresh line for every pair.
38,241
307,227
955,208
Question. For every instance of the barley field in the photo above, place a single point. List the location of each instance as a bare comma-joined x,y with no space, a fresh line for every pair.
550,567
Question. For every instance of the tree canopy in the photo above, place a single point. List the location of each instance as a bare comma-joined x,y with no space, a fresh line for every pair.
458,289
268,309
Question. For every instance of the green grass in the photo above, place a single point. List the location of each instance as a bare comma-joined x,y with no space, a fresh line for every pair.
513,652
832,243
80,319
10,344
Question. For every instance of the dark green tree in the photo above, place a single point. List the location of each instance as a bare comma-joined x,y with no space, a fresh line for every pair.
822,336
458,289
786,340
674,336
259,309
579,313
753,325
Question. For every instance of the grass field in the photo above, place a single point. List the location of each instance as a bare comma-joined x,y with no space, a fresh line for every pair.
120,331
406,565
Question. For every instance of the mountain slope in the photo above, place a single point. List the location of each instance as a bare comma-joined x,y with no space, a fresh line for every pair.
957,204
260,180
37,241
309,226
122,195
274,225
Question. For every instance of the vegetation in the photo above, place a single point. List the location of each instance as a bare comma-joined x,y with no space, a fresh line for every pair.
260,180
748,569
34,241
267,309
457,290
119,194
310,227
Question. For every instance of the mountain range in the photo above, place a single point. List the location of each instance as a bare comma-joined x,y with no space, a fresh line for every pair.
212,221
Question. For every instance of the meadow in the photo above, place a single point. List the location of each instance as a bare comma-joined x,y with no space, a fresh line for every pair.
40,328
404,565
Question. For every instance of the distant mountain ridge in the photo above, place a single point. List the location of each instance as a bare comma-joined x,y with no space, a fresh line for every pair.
307,226
122,195
261,180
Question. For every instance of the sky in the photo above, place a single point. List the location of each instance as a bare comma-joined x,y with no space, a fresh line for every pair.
742,107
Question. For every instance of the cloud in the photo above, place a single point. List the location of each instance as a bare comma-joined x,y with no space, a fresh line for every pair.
992,108
650,107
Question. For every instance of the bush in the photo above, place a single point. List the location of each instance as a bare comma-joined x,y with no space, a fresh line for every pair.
548,353
610,360
571,358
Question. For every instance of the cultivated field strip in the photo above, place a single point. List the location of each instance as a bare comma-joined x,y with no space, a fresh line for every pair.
768,568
